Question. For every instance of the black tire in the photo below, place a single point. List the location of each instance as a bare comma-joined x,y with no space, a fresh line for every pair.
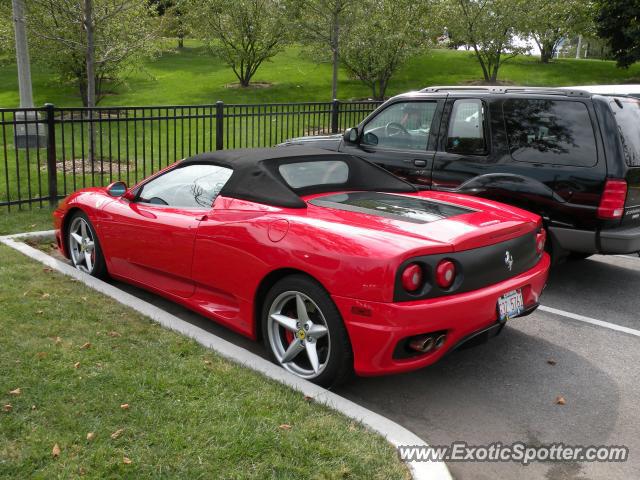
338,362
98,265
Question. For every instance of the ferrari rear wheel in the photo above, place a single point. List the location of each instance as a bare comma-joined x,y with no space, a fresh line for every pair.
304,333
83,246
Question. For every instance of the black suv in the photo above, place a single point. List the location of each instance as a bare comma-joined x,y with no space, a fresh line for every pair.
571,156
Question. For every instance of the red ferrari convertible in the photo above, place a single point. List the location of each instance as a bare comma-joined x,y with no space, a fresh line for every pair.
336,264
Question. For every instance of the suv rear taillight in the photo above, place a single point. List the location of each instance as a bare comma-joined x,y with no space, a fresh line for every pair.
612,201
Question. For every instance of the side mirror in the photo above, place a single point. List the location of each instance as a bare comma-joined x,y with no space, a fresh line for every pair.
370,139
117,189
351,135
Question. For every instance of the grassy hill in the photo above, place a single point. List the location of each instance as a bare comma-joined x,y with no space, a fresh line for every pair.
194,76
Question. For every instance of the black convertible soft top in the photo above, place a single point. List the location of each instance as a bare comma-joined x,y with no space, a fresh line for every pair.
256,176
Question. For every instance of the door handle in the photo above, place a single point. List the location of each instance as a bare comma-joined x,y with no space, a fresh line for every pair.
202,218
420,163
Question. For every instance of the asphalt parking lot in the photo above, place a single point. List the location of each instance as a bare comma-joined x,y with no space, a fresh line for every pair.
505,390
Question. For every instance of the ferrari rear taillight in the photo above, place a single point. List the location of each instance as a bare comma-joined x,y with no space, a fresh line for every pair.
412,277
445,274
612,201
541,239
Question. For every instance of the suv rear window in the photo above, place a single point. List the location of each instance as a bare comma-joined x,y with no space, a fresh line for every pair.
550,131
627,112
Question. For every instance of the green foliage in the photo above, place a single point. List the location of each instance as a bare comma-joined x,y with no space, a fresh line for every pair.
488,26
619,22
384,35
6,29
244,32
174,16
193,76
549,21
125,34
320,25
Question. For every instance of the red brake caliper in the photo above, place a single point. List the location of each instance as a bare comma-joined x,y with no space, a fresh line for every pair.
288,334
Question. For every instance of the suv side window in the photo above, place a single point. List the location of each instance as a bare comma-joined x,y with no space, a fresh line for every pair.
466,128
550,131
627,113
403,125
191,186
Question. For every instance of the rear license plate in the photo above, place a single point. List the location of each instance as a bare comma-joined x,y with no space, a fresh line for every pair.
510,304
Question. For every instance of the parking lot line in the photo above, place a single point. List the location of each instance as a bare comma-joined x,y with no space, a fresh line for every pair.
592,321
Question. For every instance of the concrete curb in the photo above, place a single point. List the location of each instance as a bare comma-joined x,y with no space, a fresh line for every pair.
394,433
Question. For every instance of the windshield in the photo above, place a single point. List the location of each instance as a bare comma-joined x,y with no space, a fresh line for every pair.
627,112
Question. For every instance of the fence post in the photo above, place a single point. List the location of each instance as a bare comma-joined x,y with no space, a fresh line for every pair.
335,111
52,173
219,125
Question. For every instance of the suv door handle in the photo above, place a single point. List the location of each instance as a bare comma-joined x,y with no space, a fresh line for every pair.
420,163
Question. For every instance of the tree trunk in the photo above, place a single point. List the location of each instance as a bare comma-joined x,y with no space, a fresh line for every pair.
91,75
22,55
374,93
493,80
485,73
382,89
545,54
579,46
82,88
180,41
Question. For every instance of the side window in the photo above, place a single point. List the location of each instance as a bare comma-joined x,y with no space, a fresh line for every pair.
550,131
466,128
404,125
191,186
627,113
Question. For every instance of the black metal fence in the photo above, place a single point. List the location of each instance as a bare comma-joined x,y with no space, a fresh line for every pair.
47,153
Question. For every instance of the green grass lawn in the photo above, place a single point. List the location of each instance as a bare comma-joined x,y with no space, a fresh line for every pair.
194,76
26,220
77,357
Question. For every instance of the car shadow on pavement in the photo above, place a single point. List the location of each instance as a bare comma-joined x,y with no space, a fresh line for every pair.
504,390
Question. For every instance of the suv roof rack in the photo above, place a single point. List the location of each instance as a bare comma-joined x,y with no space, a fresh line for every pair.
567,92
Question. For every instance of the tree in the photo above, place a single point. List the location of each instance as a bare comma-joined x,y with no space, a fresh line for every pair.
489,27
245,32
618,21
321,23
123,31
383,36
548,22
173,12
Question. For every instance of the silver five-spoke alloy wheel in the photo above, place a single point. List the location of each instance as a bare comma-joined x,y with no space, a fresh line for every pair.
82,246
296,325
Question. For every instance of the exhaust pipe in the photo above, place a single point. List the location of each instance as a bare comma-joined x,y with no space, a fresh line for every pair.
440,341
423,343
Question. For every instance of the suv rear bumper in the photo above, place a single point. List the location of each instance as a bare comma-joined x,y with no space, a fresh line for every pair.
620,240
611,241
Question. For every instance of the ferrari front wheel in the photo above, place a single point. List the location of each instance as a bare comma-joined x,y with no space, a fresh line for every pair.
304,333
83,246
